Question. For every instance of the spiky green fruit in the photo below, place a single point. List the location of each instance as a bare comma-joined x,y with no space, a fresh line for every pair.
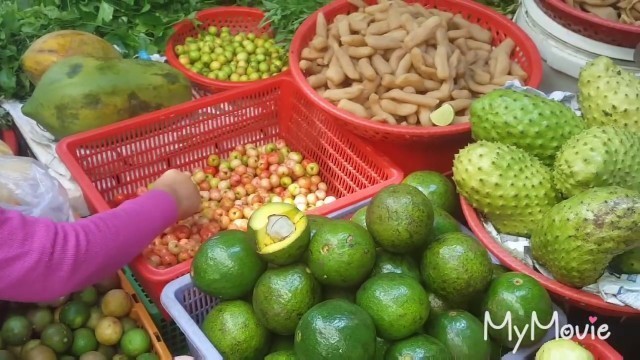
600,156
609,95
535,124
578,237
512,188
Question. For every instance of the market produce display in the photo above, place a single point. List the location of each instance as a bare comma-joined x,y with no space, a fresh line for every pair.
422,295
399,279
220,55
232,189
104,92
622,11
405,64
577,204
92,324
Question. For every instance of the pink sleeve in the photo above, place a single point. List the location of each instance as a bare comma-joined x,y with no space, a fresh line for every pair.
43,260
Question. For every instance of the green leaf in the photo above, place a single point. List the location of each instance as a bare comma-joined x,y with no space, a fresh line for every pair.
105,14
150,20
7,80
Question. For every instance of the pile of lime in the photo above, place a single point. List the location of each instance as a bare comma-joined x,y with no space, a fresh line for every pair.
400,280
219,54
92,324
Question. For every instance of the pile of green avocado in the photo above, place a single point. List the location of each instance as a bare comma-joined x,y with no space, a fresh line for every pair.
570,183
399,280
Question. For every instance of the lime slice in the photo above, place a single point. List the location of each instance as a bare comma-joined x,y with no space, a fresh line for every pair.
443,116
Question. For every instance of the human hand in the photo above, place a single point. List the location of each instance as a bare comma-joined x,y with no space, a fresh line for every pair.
182,188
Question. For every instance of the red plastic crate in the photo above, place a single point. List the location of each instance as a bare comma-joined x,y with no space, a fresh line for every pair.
124,156
9,137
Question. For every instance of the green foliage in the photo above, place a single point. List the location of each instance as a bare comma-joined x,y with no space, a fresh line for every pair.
129,24
286,16
505,7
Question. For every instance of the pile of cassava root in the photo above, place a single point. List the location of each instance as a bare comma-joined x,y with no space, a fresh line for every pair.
405,64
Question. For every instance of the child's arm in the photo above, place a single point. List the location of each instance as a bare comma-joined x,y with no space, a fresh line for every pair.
42,260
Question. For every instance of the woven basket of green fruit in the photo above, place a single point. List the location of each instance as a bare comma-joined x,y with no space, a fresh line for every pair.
225,48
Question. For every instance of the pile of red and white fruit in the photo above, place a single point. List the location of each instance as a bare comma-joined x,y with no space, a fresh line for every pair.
231,189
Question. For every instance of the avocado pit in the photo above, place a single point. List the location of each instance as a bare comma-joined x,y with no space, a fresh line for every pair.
279,228
280,232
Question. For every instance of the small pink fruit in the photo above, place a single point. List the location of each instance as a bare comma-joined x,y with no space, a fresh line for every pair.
213,160
312,168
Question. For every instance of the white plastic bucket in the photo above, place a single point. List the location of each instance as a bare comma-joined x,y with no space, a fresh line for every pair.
564,51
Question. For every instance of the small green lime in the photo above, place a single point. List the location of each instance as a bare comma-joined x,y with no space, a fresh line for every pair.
84,340
57,336
16,330
147,356
88,296
75,314
128,324
135,342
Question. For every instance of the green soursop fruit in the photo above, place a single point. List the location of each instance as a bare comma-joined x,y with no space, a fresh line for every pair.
599,156
627,263
577,239
512,188
535,124
609,95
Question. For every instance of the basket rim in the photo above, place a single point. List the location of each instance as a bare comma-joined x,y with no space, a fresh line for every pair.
524,42
187,25
140,314
510,261
563,7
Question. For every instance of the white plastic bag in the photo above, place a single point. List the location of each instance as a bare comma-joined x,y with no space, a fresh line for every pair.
26,186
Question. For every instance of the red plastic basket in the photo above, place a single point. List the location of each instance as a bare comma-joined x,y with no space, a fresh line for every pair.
572,296
600,349
591,26
124,156
436,145
237,19
9,137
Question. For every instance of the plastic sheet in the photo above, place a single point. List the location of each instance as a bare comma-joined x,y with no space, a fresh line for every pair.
27,186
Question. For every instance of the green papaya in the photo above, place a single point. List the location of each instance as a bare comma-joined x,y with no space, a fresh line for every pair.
82,93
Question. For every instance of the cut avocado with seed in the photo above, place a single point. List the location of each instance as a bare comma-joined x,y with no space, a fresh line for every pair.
280,232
